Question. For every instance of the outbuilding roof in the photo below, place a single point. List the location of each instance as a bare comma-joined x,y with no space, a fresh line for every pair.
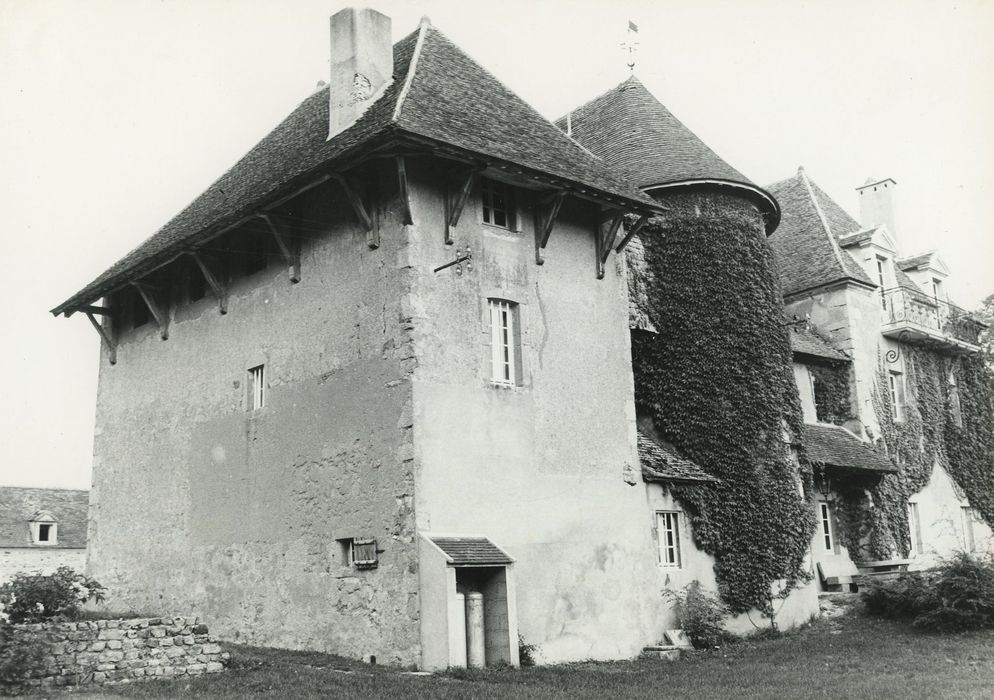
19,506
834,446
806,243
450,101
804,340
661,462
633,132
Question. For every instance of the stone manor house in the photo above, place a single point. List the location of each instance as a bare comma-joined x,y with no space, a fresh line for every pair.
383,365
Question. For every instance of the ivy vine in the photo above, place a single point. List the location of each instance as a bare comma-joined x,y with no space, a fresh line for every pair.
833,402
718,383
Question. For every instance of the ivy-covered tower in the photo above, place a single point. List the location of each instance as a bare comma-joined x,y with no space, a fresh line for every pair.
711,357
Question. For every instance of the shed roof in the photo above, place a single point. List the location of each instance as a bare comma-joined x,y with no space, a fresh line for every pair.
472,551
633,132
834,446
661,462
806,243
805,340
18,506
451,101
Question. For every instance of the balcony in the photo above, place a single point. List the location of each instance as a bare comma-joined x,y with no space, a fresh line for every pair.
916,318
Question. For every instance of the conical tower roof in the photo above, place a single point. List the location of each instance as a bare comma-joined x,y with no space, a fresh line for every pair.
634,133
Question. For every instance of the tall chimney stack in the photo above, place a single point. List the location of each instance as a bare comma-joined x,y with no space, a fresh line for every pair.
876,204
361,65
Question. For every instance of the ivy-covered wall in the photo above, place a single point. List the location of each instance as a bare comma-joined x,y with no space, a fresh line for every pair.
945,423
832,395
718,383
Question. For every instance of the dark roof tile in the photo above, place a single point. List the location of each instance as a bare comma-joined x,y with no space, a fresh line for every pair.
18,505
832,446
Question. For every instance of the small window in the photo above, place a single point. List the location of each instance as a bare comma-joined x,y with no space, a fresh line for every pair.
497,204
915,528
819,393
45,532
825,514
897,395
936,288
257,387
505,342
668,531
360,553
881,278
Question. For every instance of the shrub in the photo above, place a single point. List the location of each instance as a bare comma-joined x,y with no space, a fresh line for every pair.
58,596
526,652
21,657
701,615
957,595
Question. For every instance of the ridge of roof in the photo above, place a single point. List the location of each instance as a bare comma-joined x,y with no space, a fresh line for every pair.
412,67
806,245
631,130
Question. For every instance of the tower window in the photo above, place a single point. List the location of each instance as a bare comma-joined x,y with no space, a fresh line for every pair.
257,387
505,342
497,208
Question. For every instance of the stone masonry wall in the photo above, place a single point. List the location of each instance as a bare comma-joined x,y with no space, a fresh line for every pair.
123,651
39,560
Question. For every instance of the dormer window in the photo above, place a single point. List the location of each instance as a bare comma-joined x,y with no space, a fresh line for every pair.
44,528
881,278
936,288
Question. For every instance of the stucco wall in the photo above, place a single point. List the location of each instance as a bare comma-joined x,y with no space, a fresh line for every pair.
38,560
538,468
199,504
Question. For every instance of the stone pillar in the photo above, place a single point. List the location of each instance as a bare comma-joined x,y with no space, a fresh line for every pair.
475,633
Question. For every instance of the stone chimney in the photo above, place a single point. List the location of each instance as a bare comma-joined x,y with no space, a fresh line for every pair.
876,204
361,65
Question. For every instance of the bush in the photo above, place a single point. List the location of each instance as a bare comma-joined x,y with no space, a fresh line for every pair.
526,652
21,657
957,595
36,597
701,615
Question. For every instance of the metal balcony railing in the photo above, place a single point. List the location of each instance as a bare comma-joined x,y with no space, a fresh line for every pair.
915,316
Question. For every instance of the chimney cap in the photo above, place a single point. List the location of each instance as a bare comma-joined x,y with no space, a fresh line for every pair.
870,181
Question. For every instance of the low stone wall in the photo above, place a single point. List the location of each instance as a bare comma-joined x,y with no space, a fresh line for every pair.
123,651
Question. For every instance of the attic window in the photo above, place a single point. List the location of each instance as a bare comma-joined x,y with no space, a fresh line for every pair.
44,529
497,207
358,552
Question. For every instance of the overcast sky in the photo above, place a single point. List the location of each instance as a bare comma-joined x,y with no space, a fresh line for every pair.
116,114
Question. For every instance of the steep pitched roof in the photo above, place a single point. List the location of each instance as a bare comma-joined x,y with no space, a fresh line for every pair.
19,505
806,341
660,462
633,132
449,100
834,446
806,243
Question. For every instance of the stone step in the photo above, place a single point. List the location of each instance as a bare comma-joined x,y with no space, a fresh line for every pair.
661,652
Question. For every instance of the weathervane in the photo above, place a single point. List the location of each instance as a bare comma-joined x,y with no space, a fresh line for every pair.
631,44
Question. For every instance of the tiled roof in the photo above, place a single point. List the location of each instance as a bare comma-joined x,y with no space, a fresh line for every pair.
833,446
632,131
806,341
805,244
472,551
660,462
914,261
67,507
451,101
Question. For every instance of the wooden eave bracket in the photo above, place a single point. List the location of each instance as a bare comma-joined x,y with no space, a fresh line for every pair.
107,336
454,206
288,248
361,212
632,232
546,212
607,231
405,198
158,313
218,289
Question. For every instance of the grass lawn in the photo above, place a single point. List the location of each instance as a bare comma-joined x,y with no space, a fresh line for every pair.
850,657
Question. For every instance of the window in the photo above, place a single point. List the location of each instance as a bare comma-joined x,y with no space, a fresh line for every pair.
897,397
954,405
497,208
505,342
257,387
936,288
969,537
44,529
818,393
881,267
360,553
825,515
668,531
915,528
